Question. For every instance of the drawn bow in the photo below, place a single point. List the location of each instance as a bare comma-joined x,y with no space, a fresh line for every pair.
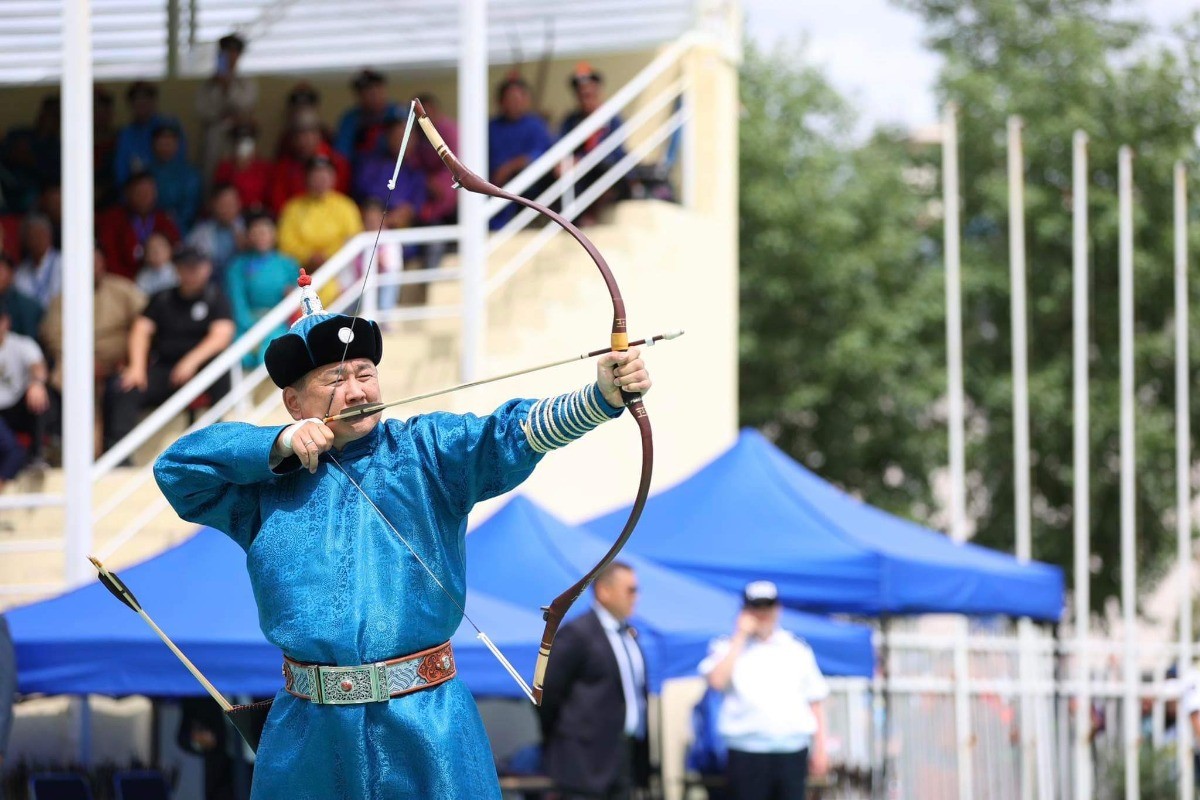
554,613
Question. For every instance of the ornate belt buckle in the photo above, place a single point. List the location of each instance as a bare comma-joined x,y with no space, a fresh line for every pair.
342,686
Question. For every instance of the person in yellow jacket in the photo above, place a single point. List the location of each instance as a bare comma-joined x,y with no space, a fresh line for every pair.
314,226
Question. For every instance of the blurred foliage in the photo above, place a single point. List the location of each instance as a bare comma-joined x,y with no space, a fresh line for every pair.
843,353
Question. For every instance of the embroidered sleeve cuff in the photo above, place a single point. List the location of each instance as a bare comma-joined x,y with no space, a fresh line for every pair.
557,421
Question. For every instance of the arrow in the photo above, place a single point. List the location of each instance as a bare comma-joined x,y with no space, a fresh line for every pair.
368,409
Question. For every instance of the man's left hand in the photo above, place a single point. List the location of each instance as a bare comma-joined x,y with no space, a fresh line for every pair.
618,371
818,763
183,372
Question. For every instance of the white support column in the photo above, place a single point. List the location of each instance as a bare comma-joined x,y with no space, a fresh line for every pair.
958,471
78,271
473,150
1183,463
1082,497
1131,708
1021,460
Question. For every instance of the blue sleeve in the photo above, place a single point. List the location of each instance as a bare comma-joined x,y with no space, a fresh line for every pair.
189,204
344,140
123,157
476,458
542,139
212,476
8,684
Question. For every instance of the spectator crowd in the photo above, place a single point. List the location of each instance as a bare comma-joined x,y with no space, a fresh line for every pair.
195,242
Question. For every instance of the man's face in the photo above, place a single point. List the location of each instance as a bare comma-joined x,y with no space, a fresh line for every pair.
38,238
373,98
166,146
194,277
516,101
305,142
143,194
618,593
767,618
356,383
226,206
588,95
321,180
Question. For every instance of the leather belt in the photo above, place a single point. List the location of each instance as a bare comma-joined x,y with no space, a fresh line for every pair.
369,683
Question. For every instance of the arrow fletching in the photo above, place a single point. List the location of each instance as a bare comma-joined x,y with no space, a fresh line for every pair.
116,586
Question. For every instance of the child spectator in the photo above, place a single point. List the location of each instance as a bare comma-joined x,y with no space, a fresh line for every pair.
222,234
257,279
123,229
244,169
178,182
158,271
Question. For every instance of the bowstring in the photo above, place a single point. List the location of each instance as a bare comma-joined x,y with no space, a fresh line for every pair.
483,637
387,203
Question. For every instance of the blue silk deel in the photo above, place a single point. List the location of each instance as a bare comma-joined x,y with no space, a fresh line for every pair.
335,585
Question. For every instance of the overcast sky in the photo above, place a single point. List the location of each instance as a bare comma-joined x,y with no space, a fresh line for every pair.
873,52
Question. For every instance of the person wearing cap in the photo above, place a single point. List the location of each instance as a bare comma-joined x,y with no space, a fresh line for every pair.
355,534
123,230
221,101
178,181
360,129
289,178
516,136
315,225
178,333
244,169
135,150
593,712
588,86
771,716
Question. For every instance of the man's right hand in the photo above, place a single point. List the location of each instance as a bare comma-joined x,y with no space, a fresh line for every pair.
309,439
134,378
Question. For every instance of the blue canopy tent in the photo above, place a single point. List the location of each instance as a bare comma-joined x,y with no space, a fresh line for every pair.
754,513
85,641
526,556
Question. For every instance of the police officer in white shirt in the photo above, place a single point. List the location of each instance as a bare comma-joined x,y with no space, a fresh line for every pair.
771,717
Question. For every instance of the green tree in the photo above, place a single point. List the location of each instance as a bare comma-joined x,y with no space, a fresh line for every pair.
843,355
1063,65
841,322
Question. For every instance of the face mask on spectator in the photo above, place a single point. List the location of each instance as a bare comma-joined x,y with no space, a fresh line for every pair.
244,149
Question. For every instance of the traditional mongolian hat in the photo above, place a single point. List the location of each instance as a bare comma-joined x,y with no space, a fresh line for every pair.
319,338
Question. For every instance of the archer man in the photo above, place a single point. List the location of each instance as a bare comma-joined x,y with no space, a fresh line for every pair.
355,540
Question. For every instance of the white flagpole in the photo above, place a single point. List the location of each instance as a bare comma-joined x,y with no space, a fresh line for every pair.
958,476
1132,708
1082,507
1183,463
1021,461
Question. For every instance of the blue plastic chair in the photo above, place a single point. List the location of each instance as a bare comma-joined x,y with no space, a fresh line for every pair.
140,785
59,786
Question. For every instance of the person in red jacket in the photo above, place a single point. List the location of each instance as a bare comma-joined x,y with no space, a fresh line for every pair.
124,229
291,170
245,169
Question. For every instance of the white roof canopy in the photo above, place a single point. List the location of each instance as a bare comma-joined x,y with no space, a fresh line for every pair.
130,37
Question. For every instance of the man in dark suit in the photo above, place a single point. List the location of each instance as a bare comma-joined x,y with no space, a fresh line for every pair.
593,711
